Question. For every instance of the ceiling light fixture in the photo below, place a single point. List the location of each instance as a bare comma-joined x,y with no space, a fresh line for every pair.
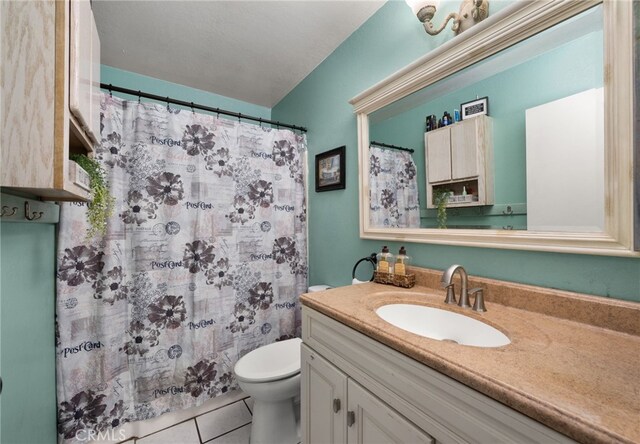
471,12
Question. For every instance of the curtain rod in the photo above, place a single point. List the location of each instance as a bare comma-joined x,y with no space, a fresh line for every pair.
109,87
395,147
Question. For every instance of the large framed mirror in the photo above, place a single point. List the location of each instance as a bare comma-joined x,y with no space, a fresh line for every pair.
545,164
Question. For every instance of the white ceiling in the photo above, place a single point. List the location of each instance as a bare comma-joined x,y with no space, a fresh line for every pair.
255,51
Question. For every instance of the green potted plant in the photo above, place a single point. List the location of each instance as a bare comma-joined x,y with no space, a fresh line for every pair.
102,202
441,197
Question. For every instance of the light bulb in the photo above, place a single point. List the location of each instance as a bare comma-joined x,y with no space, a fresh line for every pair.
417,5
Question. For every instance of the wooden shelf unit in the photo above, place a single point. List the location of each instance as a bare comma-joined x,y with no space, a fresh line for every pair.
39,130
461,155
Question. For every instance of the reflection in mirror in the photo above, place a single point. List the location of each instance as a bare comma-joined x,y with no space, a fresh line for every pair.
394,199
534,161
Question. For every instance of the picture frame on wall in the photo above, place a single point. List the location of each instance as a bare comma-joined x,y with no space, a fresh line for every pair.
475,108
330,170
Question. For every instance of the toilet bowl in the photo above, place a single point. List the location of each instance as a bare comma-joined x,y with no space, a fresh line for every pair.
271,376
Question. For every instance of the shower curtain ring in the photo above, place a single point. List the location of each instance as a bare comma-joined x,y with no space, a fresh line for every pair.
278,124
110,92
260,120
239,117
218,113
168,109
139,96
192,110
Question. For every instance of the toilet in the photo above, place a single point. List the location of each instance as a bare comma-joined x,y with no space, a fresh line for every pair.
271,376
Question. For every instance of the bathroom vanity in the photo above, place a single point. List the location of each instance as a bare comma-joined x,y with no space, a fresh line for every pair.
566,376
358,390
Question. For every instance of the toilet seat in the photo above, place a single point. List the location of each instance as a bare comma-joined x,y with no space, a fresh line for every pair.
271,362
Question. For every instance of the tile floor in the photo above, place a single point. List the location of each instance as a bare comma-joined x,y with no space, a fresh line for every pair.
229,424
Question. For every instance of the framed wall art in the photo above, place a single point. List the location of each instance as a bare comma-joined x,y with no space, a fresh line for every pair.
475,108
330,170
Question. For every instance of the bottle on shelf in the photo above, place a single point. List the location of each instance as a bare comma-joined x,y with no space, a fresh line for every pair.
432,122
385,261
402,260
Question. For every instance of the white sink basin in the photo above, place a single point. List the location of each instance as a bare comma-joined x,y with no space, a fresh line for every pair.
443,325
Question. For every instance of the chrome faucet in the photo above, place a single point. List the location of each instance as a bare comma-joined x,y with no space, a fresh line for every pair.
446,281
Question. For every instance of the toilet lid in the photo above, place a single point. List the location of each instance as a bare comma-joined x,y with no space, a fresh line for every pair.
270,362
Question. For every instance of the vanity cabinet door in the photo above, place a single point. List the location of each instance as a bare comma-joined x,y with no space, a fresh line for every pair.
371,421
323,400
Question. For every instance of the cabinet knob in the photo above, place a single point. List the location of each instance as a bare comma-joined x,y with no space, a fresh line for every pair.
336,405
351,418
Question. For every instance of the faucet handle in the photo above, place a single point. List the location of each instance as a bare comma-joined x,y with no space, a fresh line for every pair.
451,295
478,303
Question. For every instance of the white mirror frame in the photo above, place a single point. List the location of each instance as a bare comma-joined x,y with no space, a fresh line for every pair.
509,26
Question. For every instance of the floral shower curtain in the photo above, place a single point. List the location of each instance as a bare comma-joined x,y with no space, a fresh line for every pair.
203,261
393,189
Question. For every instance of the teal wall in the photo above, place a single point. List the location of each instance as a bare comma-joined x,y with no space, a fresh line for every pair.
131,80
388,41
27,333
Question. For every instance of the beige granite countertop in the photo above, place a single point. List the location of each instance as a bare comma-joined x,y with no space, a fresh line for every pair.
579,378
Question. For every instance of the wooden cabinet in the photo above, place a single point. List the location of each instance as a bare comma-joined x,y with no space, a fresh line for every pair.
438,148
336,409
393,398
39,130
84,69
459,158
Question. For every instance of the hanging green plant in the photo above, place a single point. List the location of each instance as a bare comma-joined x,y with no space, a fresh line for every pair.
441,198
102,203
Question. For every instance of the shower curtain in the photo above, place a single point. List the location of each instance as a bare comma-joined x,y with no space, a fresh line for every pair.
203,261
393,189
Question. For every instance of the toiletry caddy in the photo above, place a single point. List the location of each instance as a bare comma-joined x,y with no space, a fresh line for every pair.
393,270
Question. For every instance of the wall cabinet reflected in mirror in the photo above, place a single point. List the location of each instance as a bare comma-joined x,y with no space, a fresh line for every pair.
558,193
459,163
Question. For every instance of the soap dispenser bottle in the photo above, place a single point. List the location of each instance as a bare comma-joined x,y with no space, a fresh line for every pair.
402,260
385,261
